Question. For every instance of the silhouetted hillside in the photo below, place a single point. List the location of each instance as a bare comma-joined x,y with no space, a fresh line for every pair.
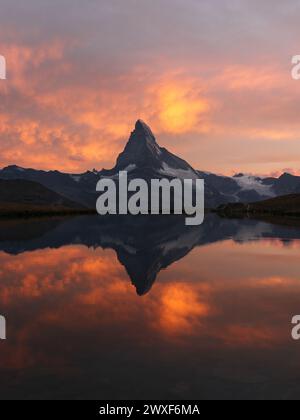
22,197
285,205
144,158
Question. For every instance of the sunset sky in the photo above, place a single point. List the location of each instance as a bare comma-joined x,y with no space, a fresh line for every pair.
212,78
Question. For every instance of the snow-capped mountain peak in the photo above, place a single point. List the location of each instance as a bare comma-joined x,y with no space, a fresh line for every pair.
250,182
143,153
143,158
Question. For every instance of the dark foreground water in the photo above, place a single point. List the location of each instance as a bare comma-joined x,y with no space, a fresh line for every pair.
146,308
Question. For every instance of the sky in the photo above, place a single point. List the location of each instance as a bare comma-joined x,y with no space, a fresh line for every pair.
212,78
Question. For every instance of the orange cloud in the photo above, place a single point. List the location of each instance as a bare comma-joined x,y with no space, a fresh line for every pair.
77,117
180,107
76,291
181,309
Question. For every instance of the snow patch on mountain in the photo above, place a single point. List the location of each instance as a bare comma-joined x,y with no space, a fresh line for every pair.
76,178
253,232
249,182
129,168
177,173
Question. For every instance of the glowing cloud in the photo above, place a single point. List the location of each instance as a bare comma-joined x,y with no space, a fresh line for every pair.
181,309
180,108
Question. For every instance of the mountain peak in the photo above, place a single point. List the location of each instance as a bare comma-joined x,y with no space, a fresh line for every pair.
14,168
145,157
141,148
142,127
142,132
286,175
140,124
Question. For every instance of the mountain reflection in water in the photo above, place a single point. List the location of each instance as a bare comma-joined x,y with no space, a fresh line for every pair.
216,323
144,245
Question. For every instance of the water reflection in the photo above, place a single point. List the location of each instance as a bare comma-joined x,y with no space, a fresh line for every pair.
144,246
215,325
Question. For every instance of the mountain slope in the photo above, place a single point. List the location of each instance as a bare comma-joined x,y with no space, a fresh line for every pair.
78,188
24,197
142,157
286,205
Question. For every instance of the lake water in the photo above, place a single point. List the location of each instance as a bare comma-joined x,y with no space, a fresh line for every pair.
147,308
